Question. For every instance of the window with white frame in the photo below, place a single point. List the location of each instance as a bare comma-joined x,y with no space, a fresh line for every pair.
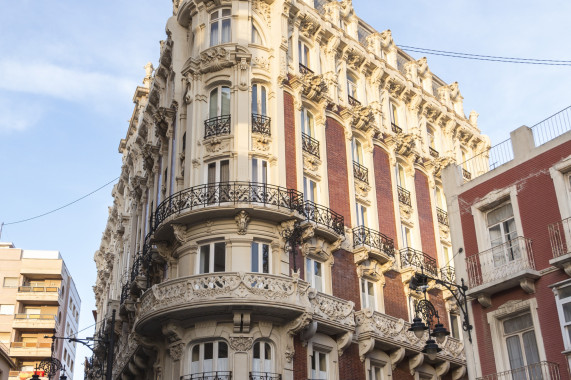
368,294
314,274
309,190
352,86
209,357
220,27
394,115
447,255
430,137
521,344
212,258
262,358
259,170
361,214
400,175
219,104
357,151
455,325
412,303
406,236
261,258
256,37
319,366
376,372
7,309
218,171
307,125
259,99
439,196
563,298
502,232
304,55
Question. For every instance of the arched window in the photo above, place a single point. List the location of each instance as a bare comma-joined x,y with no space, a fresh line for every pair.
256,37
262,358
219,102
209,357
220,27
259,99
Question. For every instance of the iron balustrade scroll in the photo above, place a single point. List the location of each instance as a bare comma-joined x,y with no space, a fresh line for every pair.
360,172
214,375
261,124
324,216
310,145
304,70
136,269
536,371
396,129
404,196
217,126
560,236
417,259
353,102
265,376
448,274
218,193
442,216
433,152
374,239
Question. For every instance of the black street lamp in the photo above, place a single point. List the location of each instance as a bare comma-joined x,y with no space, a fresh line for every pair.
426,310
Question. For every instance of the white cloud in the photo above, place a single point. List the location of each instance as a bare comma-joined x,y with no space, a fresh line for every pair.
18,116
63,83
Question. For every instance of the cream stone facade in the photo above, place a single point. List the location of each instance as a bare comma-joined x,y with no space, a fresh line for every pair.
280,186
38,298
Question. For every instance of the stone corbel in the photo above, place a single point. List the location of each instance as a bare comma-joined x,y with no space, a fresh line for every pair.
459,373
181,233
172,332
176,350
415,362
485,300
298,324
528,285
442,369
308,332
397,356
366,346
344,341
242,218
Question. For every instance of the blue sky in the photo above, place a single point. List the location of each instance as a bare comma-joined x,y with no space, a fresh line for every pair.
68,71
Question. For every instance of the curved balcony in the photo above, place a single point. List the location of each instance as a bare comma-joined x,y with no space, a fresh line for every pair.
201,295
379,245
334,314
217,126
418,260
261,124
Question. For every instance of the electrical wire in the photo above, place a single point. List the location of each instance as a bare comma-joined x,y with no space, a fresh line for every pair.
491,58
64,206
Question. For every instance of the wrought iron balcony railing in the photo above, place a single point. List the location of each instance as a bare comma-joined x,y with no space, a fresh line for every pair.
310,145
324,216
353,102
466,174
265,376
404,196
125,291
304,70
360,172
217,126
560,236
411,258
374,239
396,129
433,152
228,192
500,262
535,371
448,274
261,124
214,375
137,268
442,216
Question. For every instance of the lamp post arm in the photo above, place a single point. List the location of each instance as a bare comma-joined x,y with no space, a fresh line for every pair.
461,302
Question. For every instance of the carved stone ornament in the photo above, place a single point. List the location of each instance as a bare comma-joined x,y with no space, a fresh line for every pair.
405,212
387,40
289,352
313,87
308,26
261,63
298,324
216,144
214,59
311,165
176,350
333,308
241,343
242,218
181,233
354,59
263,9
363,118
405,144
261,143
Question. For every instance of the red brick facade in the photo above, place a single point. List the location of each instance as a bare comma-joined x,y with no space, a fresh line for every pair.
384,186
425,220
346,284
337,172
290,135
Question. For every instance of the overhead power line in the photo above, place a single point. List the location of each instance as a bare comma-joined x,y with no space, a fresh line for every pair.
61,207
492,58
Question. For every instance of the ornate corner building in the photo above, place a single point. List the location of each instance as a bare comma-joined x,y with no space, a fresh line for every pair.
280,186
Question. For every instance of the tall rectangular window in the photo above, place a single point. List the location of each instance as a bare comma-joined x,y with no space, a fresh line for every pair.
521,344
319,365
212,258
10,282
309,190
260,257
220,27
259,171
502,232
361,213
368,300
314,274
303,51
564,309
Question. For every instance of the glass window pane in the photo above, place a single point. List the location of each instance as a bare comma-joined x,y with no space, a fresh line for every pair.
530,346
224,171
208,351
212,172
308,273
213,16
225,101
514,352
454,326
564,292
226,12
264,110
257,350
255,265
205,259
214,33
219,257
255,98
267,352
311,132
213,110
196,353
266,258
226,31
567,311
254,170
222,350
500,214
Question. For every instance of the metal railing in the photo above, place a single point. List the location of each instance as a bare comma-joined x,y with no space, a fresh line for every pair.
324,216
552,127
261,124
374,239
404,196
466,175
137,268
433,152
448,274
500,262
559,236
265,376
395,128
34,316
412,258
38,289
310,145
442,216
353,102
217,126
536,371
31,344
215,375
125,292
490,159
304,70
360,172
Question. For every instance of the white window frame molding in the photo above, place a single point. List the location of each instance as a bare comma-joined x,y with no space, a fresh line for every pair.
495,319
489,202
559,305
558,173
323,343
378,358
